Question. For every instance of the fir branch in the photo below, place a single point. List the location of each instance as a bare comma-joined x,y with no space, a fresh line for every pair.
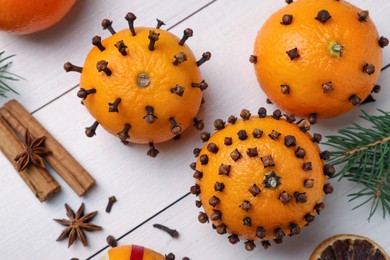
364,154
5,75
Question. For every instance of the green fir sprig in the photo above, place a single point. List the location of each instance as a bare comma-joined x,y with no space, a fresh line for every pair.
5,75
364,154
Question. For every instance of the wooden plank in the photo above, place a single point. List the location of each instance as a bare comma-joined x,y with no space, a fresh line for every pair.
40,57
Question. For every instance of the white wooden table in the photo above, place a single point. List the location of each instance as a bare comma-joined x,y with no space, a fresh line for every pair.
156,190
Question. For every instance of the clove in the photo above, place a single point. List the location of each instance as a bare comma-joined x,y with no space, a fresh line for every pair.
212,147
304,125
265,244
175,128
152,152
111,241
262,112
312,118
245,114
130,17
319,207
219,124
233,239
249,245
193,166
107,24
363,15
329,170
285,89
271,180
172,232
290,141
257,133
300,197
294,229
327,87
323,16
70,67
242,135
286,19
186,34
198,203
124,134
293,53
102,66
216,215
355,100
316,138
328,188
232,119
268,161
219,186
178,90
383,41
300,152
159,24
198,123
274,135
290,118
83,93
97,41
247,221
252,152
111,201
221,229
170,256
203,218
204,159
213,201
205,57
369,69
277,114
228,141
180,58
246,205
253,59
205,136
195,189
309,218
91,131
235,155
307,166
285,198
150,118
153,37
268,101
309,183
260,232
224,169
202,85
325,155
254,190
198,175
196,152
120,45
278,233
113,107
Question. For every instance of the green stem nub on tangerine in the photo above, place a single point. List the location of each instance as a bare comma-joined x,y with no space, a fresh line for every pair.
335,49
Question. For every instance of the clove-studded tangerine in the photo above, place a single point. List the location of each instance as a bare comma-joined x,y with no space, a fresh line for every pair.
265,186
318,58
142,84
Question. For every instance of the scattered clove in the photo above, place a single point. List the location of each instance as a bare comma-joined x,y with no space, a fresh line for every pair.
111,241
111,201
172,232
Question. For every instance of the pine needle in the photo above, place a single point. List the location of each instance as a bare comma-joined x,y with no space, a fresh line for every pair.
364,154
6,75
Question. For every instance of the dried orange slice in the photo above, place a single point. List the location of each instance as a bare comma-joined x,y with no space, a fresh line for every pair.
318,58
142,84
133,252
347,246
260,178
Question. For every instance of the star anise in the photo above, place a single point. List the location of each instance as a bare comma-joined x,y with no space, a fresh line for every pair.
33,153
76,225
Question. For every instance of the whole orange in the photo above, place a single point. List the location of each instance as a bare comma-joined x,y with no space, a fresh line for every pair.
135,252
25,17
142,84
318,58
260,178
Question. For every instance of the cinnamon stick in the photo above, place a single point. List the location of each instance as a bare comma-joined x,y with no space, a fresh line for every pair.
59,159
38,180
